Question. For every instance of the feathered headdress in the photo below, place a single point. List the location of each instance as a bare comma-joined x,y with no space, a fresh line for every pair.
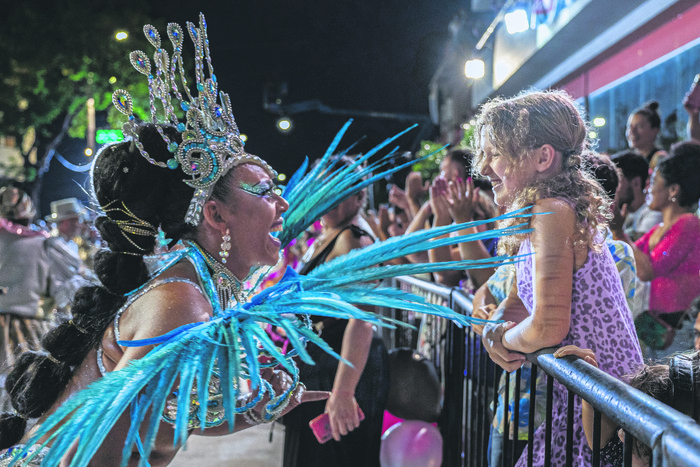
211,142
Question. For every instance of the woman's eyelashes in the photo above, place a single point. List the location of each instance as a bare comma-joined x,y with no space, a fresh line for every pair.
263,190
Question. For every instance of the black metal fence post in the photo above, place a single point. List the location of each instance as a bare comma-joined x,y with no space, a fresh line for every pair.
673,437
453,407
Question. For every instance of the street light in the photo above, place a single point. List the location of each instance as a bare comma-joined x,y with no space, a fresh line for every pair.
516,21
284,125
474,69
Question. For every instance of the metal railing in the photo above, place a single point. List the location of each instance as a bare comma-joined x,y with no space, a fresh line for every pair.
471,389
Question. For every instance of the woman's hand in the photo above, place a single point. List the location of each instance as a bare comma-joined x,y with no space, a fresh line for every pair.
586,354
384,221
281,381
492,339
415,188
438,201
397,197
342,410
462,200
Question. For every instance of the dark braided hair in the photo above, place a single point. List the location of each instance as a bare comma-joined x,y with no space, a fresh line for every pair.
125,186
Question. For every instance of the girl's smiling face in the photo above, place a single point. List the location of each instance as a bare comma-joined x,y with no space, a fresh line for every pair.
507,181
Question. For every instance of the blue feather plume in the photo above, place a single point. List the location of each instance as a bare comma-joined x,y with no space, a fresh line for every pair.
311,195
230,344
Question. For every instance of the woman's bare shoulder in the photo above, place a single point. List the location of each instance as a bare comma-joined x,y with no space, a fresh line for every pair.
348,241
167,305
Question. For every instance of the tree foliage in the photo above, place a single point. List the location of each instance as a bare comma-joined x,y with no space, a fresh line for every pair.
430,167
54,56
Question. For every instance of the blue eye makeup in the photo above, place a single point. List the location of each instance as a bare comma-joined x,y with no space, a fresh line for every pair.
263,189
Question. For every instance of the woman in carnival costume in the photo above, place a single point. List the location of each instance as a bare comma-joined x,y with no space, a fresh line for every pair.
178,330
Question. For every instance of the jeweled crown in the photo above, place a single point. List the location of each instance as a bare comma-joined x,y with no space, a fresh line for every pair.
211,142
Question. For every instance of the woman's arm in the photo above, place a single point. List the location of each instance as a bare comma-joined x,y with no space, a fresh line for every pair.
553,245
419,222
693,127
642,260
158,312
645,270
671,251
415,189
357,339
281,382
175,304
342,406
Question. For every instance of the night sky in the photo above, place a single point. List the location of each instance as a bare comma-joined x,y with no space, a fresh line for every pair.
363,55
368,55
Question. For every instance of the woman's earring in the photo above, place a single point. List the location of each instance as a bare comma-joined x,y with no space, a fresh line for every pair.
672,199
225,246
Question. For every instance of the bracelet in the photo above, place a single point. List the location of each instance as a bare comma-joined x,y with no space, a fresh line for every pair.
251,419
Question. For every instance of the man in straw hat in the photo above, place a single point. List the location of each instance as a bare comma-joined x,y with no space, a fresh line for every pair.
67,215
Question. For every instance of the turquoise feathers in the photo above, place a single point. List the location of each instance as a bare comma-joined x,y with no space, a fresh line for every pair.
328,183
229,346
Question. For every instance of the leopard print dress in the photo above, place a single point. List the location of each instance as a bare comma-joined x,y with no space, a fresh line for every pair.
601,321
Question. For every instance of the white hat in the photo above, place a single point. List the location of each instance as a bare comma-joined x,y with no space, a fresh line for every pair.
65,209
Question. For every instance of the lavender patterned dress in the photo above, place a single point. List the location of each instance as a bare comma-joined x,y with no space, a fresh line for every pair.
601,321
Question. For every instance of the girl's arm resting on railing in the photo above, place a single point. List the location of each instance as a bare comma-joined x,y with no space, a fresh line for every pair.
512,310
553,269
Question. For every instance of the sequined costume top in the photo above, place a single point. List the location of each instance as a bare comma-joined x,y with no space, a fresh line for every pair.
215,410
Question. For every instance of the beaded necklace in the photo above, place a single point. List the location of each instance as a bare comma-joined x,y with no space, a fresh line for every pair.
228,288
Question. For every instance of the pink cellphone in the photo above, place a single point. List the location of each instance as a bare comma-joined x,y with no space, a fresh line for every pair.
321,426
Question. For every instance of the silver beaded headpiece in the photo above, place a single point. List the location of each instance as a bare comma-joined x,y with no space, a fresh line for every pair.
211,143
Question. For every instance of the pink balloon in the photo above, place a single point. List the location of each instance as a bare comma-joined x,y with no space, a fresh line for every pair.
411,443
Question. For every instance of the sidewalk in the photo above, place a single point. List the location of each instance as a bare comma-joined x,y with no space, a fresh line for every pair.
250,448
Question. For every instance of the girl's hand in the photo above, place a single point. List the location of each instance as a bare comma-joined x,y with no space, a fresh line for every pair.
342,410
483,312
463,197
586,354
492,339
